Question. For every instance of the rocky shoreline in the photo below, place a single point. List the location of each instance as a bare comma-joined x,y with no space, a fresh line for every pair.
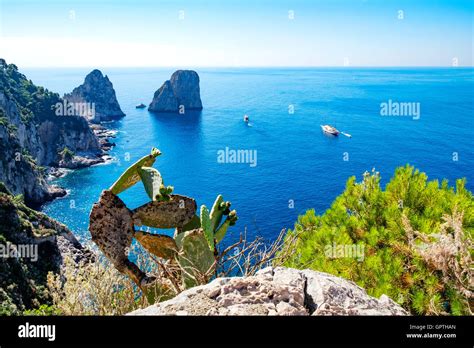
97,91
43,136
84,160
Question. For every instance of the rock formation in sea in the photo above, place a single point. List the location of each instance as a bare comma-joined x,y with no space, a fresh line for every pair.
33,136
23,274
95,99
276,291
178,94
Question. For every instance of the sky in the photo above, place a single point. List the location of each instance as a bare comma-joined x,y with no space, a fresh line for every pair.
231,33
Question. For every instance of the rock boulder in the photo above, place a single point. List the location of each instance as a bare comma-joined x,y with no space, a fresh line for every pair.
276,291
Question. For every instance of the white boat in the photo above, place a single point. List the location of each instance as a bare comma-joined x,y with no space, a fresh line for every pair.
329,129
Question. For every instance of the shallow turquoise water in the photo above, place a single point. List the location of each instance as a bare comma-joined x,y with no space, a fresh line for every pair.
295,161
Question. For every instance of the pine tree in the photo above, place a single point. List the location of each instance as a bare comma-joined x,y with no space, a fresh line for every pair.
416,237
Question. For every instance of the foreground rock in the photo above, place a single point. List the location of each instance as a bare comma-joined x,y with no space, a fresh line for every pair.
179,94
95,99
23,274
276,291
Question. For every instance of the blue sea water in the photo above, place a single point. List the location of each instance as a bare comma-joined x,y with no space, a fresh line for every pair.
295,161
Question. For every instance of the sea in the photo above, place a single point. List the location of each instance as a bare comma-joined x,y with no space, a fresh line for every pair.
284,164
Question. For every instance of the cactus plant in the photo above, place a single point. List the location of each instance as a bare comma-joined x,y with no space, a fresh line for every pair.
193,247
230,221
130,177
157,244
217,212
195,257
176,212
206,227
152,181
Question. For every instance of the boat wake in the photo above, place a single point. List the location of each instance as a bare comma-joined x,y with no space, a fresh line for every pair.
346,134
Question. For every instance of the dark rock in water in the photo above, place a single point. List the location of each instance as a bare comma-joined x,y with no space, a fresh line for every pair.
164,99
95,99
23,275
77,162
179,94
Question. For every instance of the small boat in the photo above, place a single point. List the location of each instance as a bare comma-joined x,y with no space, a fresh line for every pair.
246,119
140,106
329,130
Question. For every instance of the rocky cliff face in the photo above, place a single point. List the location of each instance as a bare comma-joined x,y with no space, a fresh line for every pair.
178,94
276,291
32,135
21,174
95,99
23,275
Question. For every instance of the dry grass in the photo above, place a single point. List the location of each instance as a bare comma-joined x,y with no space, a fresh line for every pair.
246,258
97,288
447,252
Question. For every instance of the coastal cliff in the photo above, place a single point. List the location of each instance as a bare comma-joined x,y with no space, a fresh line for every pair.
178,94
33,135
35,245
97,91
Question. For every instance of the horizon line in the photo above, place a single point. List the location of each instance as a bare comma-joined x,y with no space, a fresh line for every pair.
244,66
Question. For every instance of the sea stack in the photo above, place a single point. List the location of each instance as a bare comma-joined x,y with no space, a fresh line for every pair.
95,99
178,94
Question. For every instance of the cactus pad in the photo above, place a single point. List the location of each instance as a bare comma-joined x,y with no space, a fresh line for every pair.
111,228
157,244
176,212
206,227
130,177
195,257
152,181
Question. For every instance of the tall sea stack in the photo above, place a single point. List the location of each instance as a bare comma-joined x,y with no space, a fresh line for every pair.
178,94
98,92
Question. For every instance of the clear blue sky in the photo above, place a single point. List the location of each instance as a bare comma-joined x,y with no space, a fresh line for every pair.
237,33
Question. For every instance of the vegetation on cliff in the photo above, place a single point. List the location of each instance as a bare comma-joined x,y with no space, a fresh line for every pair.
32,101
416,239
32,245
32,135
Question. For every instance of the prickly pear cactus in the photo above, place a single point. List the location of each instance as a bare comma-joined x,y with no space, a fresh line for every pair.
157,244
217,211
206,227
195,257
176,212
131,176
230,221
111,228
194,246
152,181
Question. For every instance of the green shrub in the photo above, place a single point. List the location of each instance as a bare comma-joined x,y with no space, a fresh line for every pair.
32,101
416,238
66,154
